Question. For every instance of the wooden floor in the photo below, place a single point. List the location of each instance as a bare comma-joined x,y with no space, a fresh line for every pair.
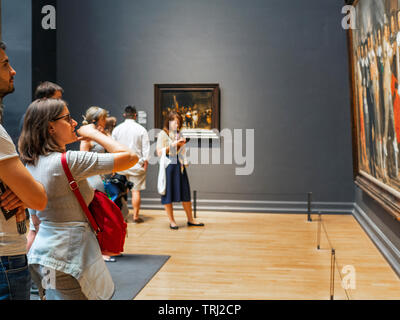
259,256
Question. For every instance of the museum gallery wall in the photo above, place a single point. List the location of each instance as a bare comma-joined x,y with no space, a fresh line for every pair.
281,89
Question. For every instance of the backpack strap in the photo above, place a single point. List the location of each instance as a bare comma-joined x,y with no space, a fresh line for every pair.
75,189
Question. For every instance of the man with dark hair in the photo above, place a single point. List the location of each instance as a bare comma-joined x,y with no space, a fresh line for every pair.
6,78
18,189
130,112
48,89
133,135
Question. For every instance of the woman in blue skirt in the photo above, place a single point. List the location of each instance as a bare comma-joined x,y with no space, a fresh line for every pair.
177,182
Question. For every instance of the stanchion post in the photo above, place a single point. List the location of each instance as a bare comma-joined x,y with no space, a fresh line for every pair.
333,262
195,203
309,199
319,231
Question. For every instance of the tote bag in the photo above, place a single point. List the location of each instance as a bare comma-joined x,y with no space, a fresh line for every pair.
162,177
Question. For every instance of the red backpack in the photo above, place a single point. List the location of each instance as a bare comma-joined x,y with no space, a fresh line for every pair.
104,216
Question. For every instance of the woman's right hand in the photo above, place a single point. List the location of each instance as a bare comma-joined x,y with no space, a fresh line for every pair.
124,158
87,132
10,201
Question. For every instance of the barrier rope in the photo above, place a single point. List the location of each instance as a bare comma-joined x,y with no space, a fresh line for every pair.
334,260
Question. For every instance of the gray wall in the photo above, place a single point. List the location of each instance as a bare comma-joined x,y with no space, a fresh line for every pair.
16,20
282,68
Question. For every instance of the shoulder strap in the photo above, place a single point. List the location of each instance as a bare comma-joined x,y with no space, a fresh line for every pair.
75,189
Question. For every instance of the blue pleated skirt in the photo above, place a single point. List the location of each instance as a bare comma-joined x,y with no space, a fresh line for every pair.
177,184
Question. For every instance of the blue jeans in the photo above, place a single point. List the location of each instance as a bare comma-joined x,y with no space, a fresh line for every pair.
15,278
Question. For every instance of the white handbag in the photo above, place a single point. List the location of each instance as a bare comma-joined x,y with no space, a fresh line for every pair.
162,178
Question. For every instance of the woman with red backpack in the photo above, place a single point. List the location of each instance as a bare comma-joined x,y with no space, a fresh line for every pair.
66,252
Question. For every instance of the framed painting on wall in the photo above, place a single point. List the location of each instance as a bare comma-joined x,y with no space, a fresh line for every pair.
374,54
198,104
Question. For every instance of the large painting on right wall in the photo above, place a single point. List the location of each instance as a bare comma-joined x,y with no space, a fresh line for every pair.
374,50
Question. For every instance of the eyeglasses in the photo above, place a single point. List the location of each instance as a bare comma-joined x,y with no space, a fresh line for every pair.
67,116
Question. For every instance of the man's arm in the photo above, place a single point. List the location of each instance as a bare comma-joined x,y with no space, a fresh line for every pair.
19,180
145,149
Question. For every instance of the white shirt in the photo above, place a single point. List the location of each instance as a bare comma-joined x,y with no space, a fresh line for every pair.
11,242
136,138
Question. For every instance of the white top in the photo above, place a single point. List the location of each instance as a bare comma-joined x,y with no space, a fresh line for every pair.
65,241
136,138
164,140
62,205
11,242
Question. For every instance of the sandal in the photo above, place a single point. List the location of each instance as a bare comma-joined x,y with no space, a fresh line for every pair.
190,224
138,220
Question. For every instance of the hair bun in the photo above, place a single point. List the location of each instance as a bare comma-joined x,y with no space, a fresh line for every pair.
84,122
